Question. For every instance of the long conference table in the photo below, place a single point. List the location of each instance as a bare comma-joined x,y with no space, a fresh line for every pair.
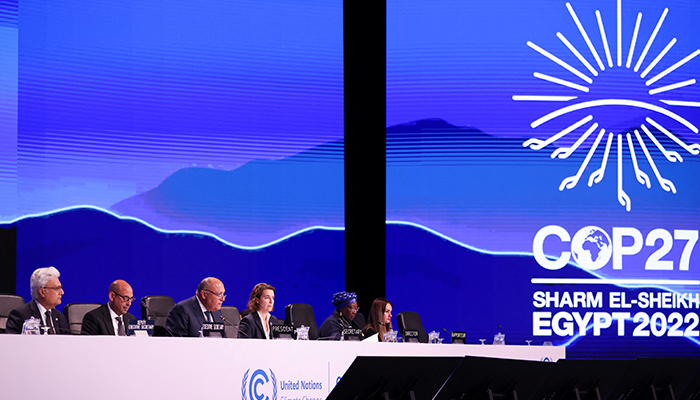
102,367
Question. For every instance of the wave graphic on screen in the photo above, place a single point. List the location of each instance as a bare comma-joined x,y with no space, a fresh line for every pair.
655,97
173,231
485,289
597,278
91,246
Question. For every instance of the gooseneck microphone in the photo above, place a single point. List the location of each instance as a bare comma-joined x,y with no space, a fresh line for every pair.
242,334
230,324
505,341
59,330
54,324
171,333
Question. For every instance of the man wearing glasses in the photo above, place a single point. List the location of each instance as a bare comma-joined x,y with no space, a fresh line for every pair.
111,318
186,317
46,294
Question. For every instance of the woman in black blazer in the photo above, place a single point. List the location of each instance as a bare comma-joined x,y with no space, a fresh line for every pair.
256,325
379,321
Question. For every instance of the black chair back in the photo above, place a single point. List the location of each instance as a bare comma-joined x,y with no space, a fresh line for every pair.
157,309
74,314
8,302
360,320
411,321
298,314
233,319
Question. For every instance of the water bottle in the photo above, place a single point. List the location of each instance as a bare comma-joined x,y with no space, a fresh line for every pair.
32,326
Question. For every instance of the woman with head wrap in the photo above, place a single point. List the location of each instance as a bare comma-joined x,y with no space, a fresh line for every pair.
343,317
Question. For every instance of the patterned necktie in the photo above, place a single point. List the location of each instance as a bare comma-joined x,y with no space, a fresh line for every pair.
209,319
120,327
49,323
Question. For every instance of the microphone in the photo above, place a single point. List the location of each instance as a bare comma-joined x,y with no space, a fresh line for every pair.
242,333
58,330
172,334
501,330
225,321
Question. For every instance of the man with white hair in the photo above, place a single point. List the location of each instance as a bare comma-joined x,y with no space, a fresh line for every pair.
46,295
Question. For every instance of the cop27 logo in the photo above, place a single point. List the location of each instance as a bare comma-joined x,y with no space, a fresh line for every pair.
656,92
258,386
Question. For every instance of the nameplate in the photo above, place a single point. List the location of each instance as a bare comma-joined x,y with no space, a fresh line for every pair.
352,334
283,332
410,336
212,329
140,327
459,337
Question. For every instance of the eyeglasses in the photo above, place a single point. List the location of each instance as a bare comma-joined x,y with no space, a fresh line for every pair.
222,296
125,298
56,288
356,309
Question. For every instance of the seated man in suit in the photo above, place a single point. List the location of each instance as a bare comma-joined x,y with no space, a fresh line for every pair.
46,294
186,317
111,318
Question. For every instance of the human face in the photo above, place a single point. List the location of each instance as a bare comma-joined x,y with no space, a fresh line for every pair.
50,295
213,296
266,302
350,311
386,317
121,300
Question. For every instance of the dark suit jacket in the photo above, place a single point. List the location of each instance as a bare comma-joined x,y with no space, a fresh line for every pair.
99,322
186,318
251,326
17,316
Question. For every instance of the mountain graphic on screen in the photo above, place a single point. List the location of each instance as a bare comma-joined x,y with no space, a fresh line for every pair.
492,193
254,204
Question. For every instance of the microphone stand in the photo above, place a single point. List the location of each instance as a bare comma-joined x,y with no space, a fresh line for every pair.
165,326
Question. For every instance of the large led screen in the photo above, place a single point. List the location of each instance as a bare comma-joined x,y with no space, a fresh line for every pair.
164,142
543,165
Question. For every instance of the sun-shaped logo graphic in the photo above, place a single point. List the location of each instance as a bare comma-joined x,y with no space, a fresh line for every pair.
634,140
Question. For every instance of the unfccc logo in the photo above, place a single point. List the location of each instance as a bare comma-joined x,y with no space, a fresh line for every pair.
258,387
653,91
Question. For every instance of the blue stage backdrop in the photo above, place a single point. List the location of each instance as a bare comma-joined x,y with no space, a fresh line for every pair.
542,172
163,142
